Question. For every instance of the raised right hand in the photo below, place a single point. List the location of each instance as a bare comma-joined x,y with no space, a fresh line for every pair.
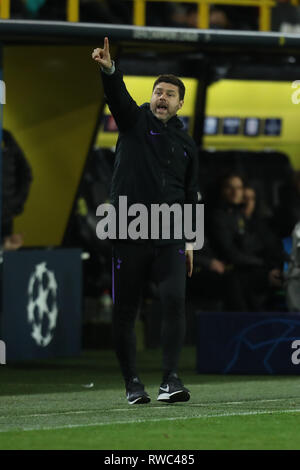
102,56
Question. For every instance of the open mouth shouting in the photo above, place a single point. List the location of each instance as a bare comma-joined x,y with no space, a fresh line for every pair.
161,108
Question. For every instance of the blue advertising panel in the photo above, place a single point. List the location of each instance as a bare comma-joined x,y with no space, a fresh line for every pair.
231,125
273,127
248,343
41,304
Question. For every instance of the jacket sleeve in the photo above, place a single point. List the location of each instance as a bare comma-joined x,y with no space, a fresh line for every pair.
122,106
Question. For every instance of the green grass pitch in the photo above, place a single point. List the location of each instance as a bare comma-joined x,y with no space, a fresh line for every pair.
44,405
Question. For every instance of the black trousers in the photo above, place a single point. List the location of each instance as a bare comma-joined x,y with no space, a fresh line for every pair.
133,264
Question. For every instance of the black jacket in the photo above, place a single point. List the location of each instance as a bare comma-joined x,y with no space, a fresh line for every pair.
155,162
17,178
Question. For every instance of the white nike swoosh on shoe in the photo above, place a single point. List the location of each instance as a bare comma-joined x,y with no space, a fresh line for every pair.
165,389
141,399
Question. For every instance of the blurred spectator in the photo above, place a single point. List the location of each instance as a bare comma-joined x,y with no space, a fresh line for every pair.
219,19
186,16
182,15
33,9
285,17
191,16
164,14
288,213
176,16
243,241
26,9
17,179
257,227
243,18
33,6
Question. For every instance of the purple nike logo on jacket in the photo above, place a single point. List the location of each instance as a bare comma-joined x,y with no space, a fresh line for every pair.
155,133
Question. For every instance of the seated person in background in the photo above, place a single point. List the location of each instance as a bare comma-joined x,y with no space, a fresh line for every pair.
220,16
234,17
244,244
218,19
258,229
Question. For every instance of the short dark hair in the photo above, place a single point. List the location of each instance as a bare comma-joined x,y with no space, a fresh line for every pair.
169,78
228,175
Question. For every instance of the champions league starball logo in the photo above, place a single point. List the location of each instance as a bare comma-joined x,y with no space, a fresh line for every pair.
42,304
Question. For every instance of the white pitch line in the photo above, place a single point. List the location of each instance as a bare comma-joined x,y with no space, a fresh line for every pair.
164,407
190,405
179,418
243,402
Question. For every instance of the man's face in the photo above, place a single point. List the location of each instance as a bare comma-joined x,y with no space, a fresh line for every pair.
165,101
233,190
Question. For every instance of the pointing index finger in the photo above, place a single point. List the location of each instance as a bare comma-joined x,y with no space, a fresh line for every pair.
106,44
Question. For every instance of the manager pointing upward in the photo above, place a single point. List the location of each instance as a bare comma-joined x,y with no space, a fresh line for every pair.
156,162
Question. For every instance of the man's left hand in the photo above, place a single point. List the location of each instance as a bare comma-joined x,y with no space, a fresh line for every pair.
189,262
13,242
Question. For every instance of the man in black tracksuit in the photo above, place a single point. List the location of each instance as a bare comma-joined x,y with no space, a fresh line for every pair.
156,162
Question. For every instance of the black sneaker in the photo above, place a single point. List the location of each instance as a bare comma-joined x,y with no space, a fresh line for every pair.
172,390
135,392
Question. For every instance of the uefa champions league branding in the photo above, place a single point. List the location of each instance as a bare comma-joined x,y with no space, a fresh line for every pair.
160,216
42,307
